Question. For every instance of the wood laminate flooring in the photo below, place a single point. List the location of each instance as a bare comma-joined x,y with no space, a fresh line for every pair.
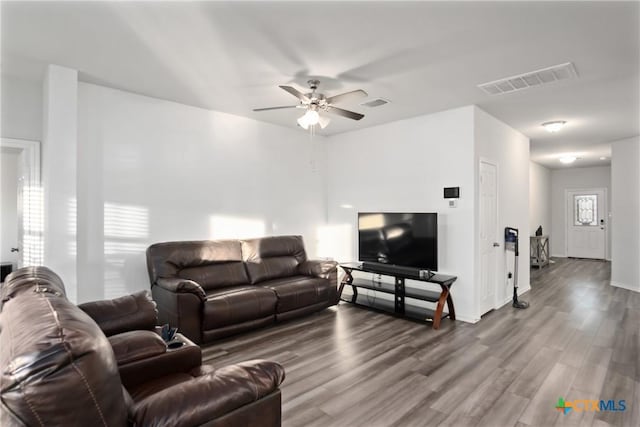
347,366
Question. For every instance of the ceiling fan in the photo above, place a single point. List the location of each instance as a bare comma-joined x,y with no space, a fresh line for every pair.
315,103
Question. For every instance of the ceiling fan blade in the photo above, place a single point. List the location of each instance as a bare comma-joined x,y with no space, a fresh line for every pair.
347,96
295,92
344,113
274,108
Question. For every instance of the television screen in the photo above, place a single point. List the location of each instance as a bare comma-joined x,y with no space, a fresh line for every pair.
404,239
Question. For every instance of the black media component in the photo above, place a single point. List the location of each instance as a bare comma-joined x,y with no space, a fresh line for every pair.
399,296
5,269
452,192
396,240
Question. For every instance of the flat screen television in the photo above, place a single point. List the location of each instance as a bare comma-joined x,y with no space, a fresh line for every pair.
402,239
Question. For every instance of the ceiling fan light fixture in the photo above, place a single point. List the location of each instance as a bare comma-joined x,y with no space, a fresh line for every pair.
323,121
554,126
310,118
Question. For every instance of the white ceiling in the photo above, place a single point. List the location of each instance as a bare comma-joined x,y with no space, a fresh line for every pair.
423,56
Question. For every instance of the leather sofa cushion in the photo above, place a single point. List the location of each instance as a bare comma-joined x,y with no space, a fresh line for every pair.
298,291
216,391
56,362
237,304
273,257
136,345
27,278
129,312
169,258
213,276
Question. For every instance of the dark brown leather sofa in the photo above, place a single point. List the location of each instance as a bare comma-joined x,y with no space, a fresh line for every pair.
212,289
59,368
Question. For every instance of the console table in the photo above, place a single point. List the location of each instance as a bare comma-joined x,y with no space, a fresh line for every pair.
401,293
539,250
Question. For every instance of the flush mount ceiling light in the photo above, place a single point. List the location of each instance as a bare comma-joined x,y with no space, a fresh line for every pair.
554,126
567,159
315,103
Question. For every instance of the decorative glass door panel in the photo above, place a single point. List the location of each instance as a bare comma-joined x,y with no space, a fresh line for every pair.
586,209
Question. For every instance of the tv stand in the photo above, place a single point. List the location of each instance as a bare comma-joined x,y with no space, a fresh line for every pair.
401,293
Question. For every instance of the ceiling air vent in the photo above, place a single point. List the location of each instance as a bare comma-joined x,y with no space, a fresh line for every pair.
375,102
534,78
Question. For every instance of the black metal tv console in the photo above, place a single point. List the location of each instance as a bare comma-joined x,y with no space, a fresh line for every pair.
400,292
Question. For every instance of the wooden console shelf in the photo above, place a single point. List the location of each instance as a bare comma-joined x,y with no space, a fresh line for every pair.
539,251
401,293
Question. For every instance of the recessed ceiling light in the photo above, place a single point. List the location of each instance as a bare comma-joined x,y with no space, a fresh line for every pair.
603,158
554,126
567,159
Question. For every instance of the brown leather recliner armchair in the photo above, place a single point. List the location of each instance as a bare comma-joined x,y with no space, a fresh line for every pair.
212,289
59,368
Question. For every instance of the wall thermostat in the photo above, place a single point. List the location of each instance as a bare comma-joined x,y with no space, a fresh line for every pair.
452,192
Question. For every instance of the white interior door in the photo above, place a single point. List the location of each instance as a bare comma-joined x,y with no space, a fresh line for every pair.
27,222
9,215
488,235
586,223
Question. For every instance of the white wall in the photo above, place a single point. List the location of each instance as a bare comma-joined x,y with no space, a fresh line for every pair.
9,212
539,198
59,149
403,167
152,170
625,209
509,150
574,178
21,108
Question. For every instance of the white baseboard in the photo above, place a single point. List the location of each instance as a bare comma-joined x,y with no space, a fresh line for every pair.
466,319
625,286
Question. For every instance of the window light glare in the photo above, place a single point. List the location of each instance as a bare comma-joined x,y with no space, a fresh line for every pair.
554,126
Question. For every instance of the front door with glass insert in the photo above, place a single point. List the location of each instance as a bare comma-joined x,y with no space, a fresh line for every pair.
586,223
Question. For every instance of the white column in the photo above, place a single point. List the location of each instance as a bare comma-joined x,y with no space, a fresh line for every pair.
625,224
59,156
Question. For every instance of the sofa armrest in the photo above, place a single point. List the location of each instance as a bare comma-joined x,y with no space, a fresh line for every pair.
127,313
132,346
318,268
177,285
144,357
210,395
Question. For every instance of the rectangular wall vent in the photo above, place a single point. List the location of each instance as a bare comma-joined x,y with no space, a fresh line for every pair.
375,102
534,78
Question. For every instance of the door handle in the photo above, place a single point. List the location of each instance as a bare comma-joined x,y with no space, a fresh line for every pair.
496,244
15,249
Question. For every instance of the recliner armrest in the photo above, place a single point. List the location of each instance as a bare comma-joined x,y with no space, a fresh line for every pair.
136,345
210,395
178,285
127,313
318,268
144,357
